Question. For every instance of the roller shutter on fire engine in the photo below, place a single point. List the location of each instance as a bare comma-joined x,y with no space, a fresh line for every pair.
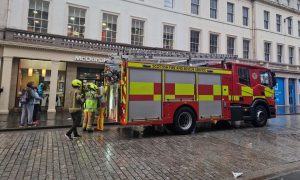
210,95
144,94
179,85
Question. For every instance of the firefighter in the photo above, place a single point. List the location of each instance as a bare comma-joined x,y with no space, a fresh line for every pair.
90,106
75,108
103,96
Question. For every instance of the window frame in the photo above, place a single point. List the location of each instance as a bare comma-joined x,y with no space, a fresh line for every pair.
291,50
135,35
38,22
266,19
213,10
80,25
278,22
298,28
290,26
195,5
245,18
169,2
216,46
194,46
230,15
111,33
246,56
231,50
269,51
279,53
167,34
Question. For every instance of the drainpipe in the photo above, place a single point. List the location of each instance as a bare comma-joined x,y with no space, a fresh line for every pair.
253,30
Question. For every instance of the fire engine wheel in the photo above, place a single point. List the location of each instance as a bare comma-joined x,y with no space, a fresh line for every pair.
260,116
184,121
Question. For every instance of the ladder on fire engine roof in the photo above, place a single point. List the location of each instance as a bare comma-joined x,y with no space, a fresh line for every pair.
170,57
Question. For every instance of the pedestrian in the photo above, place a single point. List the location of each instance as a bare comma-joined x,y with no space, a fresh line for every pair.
27,101
90,106
37,107
75,108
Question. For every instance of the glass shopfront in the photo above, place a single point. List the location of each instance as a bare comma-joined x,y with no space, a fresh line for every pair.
40,72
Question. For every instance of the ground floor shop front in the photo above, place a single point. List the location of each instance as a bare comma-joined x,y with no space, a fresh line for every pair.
56,69
52,70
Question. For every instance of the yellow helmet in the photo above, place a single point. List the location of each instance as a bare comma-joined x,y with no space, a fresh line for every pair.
93,86
76,83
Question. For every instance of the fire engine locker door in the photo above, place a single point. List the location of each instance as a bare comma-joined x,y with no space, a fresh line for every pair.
144,95
210,95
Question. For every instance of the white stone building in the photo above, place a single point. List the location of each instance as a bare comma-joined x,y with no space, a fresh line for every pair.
44,40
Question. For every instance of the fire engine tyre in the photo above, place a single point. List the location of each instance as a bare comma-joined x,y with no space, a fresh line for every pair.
259,116
184,121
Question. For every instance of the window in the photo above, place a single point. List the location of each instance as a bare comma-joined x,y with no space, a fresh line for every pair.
109,27
245,16
194,46
76,22
213,8
230,45
213,43
230,12
168,37
137,32
267,49
279,53
244,77
278,22
291,55
290,26
38,16
266,19
169,3
299,28
195,7
264,79
246,48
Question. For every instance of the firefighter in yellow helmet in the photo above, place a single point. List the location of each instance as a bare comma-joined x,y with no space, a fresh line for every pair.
75,108
90,106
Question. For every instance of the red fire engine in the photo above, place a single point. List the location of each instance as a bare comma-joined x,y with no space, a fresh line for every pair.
180,96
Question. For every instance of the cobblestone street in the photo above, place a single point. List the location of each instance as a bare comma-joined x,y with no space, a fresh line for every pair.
118,153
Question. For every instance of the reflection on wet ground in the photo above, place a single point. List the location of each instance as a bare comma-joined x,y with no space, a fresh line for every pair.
211,152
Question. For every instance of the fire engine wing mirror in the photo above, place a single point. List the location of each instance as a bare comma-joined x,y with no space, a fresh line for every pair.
274,82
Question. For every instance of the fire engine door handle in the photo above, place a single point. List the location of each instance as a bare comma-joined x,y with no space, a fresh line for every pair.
262,93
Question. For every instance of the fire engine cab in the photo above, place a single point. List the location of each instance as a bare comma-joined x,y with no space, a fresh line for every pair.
180,96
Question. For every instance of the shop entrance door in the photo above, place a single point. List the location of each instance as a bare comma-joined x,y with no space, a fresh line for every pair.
292,95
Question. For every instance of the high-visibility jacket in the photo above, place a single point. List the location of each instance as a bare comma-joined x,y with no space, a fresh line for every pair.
90,101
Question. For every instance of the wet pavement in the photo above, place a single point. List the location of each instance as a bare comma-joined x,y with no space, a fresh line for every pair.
47,120
211,152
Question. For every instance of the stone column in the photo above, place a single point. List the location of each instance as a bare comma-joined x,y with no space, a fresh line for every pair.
5,83
286,91
53,86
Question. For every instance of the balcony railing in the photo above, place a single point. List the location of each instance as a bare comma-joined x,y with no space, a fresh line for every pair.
14,35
